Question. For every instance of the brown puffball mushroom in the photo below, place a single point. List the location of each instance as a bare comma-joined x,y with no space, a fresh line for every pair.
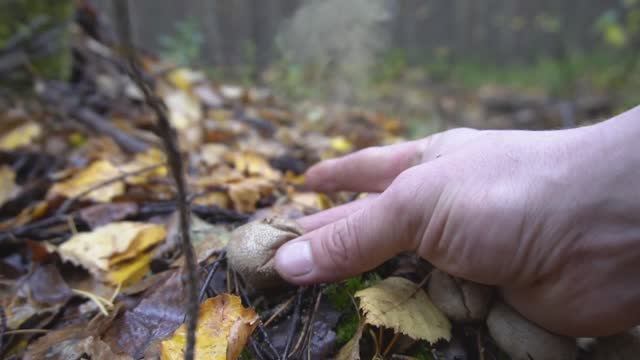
252,247
624,346
458,299
523,340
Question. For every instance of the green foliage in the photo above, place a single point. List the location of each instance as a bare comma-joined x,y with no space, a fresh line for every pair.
184,46
340,295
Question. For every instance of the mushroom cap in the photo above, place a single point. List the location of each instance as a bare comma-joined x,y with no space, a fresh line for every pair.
523,340
459,300
252,247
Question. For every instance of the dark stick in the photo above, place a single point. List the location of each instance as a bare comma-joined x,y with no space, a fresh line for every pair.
207,281
3,327
294,322
174,159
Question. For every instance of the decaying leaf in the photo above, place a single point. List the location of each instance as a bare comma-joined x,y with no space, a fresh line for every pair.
224,327
8,187
399,304
145,160
117,252
92,177
20,136
351,350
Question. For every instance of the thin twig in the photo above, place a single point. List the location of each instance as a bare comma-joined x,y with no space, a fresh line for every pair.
3,327
282,307
395,338
176,165
207,281
308,328
26,331
294,322
261,330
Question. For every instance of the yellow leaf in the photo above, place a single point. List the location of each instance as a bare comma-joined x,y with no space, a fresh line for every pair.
184,78
341,144
147,159
20,136
401,305
92,177
312,200
224,327
253,164
129,272
351,350
107,248
8,187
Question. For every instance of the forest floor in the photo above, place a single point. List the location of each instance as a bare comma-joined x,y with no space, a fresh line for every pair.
92,263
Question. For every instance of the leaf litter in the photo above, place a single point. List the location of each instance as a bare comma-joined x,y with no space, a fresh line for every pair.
84,176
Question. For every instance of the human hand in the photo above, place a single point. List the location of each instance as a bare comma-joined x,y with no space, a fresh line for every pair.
552,218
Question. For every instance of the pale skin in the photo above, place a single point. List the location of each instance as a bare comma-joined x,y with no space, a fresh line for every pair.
551,218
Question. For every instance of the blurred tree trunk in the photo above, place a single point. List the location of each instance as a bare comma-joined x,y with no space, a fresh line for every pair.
34,40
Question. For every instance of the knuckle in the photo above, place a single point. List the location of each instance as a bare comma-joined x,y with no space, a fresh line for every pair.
339,245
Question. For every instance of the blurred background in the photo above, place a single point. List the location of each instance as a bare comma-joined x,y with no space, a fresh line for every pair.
434,63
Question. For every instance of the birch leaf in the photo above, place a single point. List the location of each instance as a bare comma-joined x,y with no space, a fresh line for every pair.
97,173
399,304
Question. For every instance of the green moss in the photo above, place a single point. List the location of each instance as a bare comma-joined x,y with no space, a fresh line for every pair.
340,295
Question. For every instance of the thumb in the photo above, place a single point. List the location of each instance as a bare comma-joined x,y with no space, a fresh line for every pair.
356,243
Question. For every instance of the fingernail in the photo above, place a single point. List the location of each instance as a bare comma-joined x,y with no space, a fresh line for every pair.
294,259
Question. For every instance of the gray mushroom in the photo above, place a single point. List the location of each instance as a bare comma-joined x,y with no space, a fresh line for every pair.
252,247
624,346
523,340
459,300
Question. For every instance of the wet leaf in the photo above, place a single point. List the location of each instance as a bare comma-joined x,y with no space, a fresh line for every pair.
399,304
224,327
92,177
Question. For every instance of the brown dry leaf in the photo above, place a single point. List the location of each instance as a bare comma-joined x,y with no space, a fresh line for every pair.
224,327
97,173
399,304
254,164
117,252
351,350
20,136
246,193
8,186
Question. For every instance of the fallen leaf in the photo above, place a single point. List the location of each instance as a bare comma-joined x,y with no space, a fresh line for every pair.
341,144
312,200
106,251
8,186
156,316
351,350
250,163
93,176
19,136
145,160
246,193
401,305
184,110
103,214
224,327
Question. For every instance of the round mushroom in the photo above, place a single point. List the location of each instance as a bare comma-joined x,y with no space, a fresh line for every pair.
252,247
459,300
523,340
